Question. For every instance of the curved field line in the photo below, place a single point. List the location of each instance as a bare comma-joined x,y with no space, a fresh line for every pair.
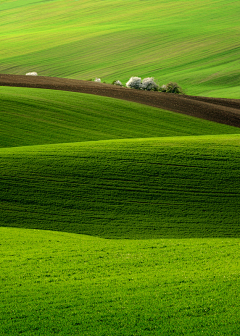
224,111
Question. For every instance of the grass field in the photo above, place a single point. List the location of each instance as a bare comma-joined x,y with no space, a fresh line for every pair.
36,117
118,218
176,187
195,43
68,284
156,194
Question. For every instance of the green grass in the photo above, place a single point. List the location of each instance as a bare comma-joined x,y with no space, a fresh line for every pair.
176,187
194,43
169,195
36,117
168,206
68,284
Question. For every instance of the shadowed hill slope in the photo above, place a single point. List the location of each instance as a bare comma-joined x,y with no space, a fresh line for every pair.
181,187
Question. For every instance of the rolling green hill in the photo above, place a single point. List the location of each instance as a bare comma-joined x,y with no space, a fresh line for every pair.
176,187
195,43
37,116
168,206
152,185
118,218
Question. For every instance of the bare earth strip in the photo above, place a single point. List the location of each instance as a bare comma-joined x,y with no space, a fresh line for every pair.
224,111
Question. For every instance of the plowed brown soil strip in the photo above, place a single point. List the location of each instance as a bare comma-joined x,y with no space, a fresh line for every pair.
225,111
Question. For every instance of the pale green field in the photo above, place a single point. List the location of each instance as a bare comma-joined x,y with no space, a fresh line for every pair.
195,43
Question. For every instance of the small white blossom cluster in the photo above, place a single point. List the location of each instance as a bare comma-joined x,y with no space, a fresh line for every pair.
117,82
134,83
98,80
149,84
145,84
31,73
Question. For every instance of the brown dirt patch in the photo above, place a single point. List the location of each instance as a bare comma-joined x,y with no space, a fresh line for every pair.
225,111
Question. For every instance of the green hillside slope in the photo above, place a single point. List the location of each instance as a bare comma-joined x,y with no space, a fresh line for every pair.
195,43
178,187
67,284
36,116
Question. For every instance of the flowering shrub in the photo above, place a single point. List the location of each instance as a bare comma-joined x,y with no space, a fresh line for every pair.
134,83
117,82
149,84
31,74
145,84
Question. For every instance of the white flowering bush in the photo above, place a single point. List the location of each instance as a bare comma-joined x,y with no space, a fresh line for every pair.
145,84
134,83
117,82
31,73
149,84
98,80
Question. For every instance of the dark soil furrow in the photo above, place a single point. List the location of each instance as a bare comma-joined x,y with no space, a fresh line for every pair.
224,111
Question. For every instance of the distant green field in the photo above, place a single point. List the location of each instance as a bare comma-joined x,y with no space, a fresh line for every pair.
36,117
195,43
176,187
68,284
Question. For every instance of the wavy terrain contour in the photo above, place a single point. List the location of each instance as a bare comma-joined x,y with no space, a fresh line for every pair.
221,110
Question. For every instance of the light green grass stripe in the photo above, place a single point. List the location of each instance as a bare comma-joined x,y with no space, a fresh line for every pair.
67,284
